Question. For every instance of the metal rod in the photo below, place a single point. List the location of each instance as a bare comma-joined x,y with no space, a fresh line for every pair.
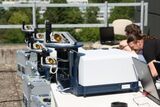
146,14
71,5
106,14
142,15
123,4
55,5
34,14
55,26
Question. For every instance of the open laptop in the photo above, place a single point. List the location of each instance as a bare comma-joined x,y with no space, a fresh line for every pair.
107,36
157,65
144,75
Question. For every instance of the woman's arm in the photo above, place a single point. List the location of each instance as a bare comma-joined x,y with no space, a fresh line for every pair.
123,45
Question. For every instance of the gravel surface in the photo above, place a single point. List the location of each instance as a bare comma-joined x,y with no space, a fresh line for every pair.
10,89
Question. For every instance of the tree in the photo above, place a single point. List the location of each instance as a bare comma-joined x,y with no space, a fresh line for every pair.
59,1
14,16
110,1
2,15
96,1
73,15
88,34
13,36
91,15
18,17
122,12
63,15
55,15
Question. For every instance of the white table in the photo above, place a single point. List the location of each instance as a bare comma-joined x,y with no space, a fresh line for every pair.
98,45
133,99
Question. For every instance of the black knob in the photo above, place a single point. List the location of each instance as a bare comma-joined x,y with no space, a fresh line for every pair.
119,104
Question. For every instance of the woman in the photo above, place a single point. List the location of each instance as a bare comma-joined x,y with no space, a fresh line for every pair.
149,47
129,29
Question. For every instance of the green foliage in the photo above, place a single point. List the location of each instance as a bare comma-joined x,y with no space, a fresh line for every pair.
110,1
18,17
63,15
91,15
96,1
55,15
128,1
12,36
15,15
73,15
114,1
120,37
2,14
59,1
122,13
87,34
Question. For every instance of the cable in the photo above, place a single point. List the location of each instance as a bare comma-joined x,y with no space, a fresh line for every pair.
74,51
51,66
61,89
50,70
59,86
62,60
141,102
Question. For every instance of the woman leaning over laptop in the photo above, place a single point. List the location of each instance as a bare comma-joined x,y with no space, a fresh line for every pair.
129,29
149,46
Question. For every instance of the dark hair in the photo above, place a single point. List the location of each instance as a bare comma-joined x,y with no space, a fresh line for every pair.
132,37
132,29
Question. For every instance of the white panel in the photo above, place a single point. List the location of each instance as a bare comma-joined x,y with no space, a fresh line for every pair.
100,67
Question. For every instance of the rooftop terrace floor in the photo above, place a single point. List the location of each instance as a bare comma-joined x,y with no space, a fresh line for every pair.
10,89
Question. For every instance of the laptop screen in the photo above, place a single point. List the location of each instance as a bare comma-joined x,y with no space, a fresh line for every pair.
157,65
146,79
106,34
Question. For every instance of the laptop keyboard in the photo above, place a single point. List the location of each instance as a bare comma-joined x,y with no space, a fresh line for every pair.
158,91
110,43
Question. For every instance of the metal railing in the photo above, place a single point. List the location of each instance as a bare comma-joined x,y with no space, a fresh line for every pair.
143,13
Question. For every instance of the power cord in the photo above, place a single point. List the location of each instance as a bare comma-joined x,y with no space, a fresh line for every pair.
139,100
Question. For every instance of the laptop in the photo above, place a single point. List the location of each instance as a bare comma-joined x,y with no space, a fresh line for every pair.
107,36
144,75
157,66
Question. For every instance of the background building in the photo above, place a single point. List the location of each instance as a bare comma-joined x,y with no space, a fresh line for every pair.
153,27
